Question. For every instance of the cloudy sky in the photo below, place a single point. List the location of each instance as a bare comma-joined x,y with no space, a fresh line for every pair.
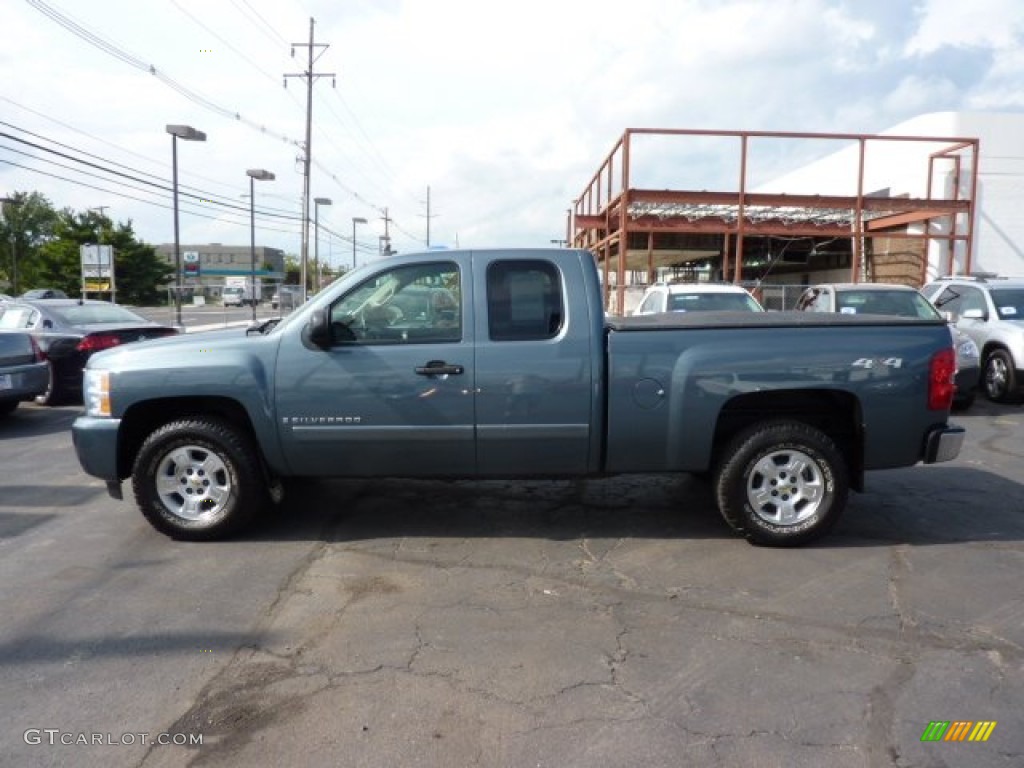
503,110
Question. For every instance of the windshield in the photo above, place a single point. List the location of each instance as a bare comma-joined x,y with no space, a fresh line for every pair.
875,302
1009,303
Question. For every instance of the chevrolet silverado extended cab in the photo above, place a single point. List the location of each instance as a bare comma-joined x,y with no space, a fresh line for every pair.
502,363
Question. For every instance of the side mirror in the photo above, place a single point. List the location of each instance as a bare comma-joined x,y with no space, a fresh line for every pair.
318,329
974,314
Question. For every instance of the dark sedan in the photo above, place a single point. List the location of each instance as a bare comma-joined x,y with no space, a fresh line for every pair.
23,373
68,331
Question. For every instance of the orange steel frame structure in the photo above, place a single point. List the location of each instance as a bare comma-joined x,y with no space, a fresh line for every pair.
610,209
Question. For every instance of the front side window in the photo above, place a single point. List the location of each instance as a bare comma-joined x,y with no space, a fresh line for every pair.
958,299
524,300
420,303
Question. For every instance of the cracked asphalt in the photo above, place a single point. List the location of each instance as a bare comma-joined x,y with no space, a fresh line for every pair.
612,622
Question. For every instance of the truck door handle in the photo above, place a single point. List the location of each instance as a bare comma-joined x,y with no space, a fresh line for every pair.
438,367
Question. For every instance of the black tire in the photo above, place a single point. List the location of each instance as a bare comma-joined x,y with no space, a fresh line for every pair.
1000,377
782,484
198,480
7,407
55,393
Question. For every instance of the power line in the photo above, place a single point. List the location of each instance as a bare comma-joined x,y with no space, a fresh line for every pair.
109,48
133,197
237,52
101,141
273,34
198,195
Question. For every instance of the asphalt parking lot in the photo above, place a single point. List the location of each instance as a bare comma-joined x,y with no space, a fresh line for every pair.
612,622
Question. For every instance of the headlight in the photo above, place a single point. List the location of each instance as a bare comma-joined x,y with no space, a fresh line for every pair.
96,392
967,349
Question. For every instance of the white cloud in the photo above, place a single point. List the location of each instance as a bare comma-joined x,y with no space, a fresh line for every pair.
995,24
915,94
504,110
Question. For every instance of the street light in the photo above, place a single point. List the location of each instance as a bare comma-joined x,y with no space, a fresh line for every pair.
318,201
355,220
188,133
12,201
254,174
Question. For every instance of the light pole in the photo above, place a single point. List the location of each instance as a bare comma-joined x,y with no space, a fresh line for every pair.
318,201
188,133
254,174
13,202
355,220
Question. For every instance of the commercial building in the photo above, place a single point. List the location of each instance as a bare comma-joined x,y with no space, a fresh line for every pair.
205,267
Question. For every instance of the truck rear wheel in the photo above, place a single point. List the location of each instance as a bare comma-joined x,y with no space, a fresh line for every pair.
198,480
782,483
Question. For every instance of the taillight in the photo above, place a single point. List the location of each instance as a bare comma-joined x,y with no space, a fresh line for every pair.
37,354
94,342
941,377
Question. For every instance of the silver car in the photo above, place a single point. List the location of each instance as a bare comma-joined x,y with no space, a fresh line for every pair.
990,310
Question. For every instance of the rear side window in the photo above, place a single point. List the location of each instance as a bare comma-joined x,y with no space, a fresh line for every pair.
524,300
15,318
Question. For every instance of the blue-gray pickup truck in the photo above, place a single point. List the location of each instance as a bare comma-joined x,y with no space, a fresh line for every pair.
502,363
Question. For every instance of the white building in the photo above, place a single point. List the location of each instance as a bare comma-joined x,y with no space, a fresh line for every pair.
902,169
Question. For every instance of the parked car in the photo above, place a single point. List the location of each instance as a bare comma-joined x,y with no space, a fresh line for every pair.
23,370
69,331
900,301
44,293
989,309
691,297
286,297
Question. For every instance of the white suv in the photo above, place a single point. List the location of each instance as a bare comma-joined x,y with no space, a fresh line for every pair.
690,297
990,310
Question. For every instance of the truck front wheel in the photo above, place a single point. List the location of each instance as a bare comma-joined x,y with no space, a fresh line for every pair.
198,480
782,483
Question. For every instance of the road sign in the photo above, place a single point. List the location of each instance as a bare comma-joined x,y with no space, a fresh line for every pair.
191,260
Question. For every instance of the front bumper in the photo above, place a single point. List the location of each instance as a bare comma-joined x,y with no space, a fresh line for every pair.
943,444
95,443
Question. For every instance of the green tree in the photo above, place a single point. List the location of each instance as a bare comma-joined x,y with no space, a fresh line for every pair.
139,273
29,221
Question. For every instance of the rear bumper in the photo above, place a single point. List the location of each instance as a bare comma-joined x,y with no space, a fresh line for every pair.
95,443
943,444
25,381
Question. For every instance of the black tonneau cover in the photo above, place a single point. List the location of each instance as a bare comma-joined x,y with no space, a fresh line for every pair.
790,319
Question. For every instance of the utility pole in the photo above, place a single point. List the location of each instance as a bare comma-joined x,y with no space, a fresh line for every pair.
429,216
310,76
386,237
